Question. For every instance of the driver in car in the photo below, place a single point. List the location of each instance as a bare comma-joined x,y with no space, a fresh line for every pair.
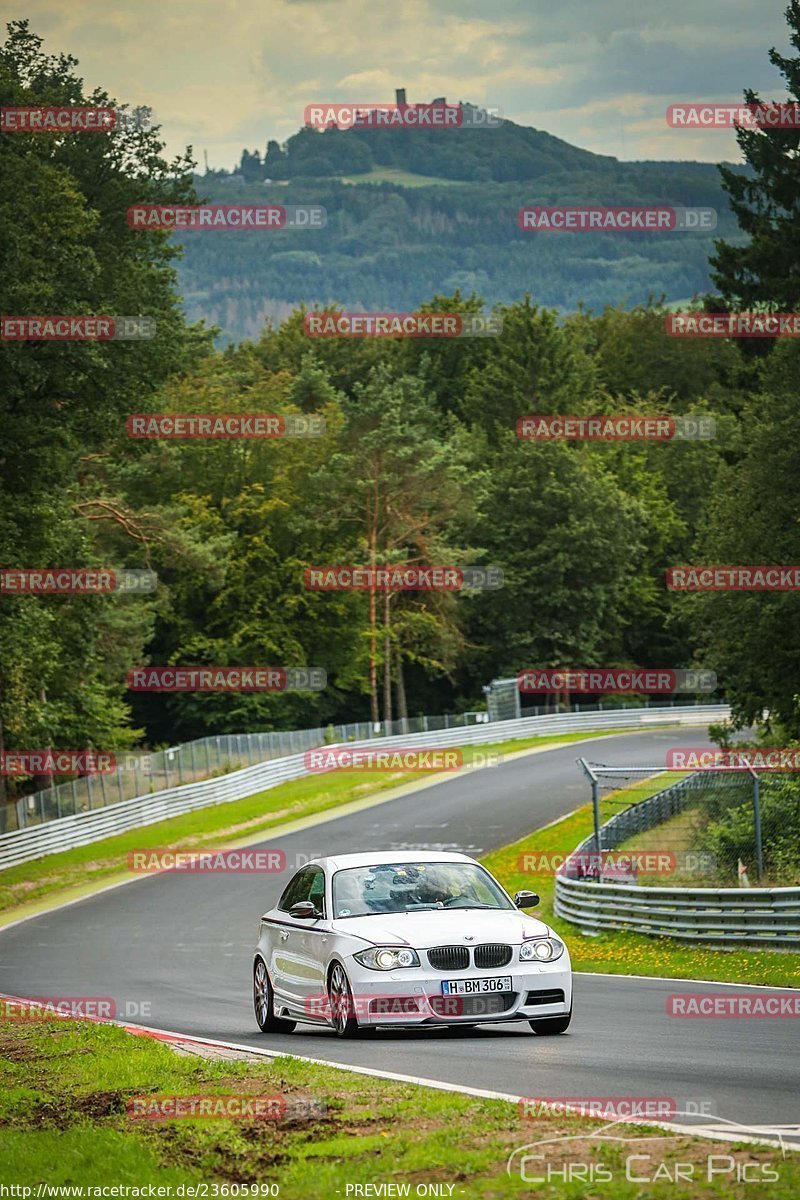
430,890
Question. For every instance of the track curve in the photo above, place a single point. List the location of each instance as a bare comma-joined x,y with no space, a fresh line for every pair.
181,945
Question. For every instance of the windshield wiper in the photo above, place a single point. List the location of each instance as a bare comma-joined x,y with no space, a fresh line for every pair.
404,912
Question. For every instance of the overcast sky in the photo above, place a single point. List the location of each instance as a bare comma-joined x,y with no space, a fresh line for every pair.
226,74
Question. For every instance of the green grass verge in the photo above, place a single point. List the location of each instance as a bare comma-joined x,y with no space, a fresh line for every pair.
622,952
64,1120
222,824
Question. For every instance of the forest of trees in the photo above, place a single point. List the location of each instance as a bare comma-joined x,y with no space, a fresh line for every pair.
420,463
390,247
395,235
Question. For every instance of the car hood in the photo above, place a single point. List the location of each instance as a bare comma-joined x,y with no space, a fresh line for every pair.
442,928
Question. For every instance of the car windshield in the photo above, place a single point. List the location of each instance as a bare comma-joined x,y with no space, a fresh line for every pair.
413,887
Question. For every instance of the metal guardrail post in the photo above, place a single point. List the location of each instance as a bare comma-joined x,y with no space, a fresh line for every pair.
757,823
595,801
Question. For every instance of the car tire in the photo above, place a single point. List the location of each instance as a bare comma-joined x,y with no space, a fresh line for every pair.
340,997
545,1026
264,1002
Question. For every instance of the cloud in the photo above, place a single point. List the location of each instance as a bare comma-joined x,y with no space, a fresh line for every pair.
227,74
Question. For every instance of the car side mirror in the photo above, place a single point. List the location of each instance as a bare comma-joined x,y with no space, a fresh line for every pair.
304,911
526,899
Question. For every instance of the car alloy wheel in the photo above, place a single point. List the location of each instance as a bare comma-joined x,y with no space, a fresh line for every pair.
341,1000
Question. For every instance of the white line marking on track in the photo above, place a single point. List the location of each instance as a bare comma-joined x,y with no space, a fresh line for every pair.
761,987
757,1134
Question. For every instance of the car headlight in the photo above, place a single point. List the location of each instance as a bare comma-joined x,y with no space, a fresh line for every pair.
387,958
545,949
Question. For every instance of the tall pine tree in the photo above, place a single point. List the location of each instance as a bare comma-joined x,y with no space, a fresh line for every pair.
766,203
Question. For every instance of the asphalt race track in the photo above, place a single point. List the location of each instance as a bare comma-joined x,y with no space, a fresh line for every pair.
182,945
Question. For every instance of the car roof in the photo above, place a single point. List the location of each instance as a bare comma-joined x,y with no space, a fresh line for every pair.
340,862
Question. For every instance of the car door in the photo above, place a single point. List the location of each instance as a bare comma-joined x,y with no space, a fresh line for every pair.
297,966
285,944
311,941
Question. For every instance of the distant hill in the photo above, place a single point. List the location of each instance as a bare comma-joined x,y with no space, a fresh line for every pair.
412,213
500,154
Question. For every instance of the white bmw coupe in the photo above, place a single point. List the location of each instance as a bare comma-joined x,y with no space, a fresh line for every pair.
362,941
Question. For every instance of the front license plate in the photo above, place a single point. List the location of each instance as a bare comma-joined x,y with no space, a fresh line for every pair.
473,987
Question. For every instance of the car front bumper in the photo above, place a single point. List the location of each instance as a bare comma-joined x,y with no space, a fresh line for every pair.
414,996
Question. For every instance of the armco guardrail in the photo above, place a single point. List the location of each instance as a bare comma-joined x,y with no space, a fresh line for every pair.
81,829
747,916
743,916
143,772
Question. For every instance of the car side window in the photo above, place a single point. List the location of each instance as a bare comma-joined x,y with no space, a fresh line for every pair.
297,889
308,884
317,891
